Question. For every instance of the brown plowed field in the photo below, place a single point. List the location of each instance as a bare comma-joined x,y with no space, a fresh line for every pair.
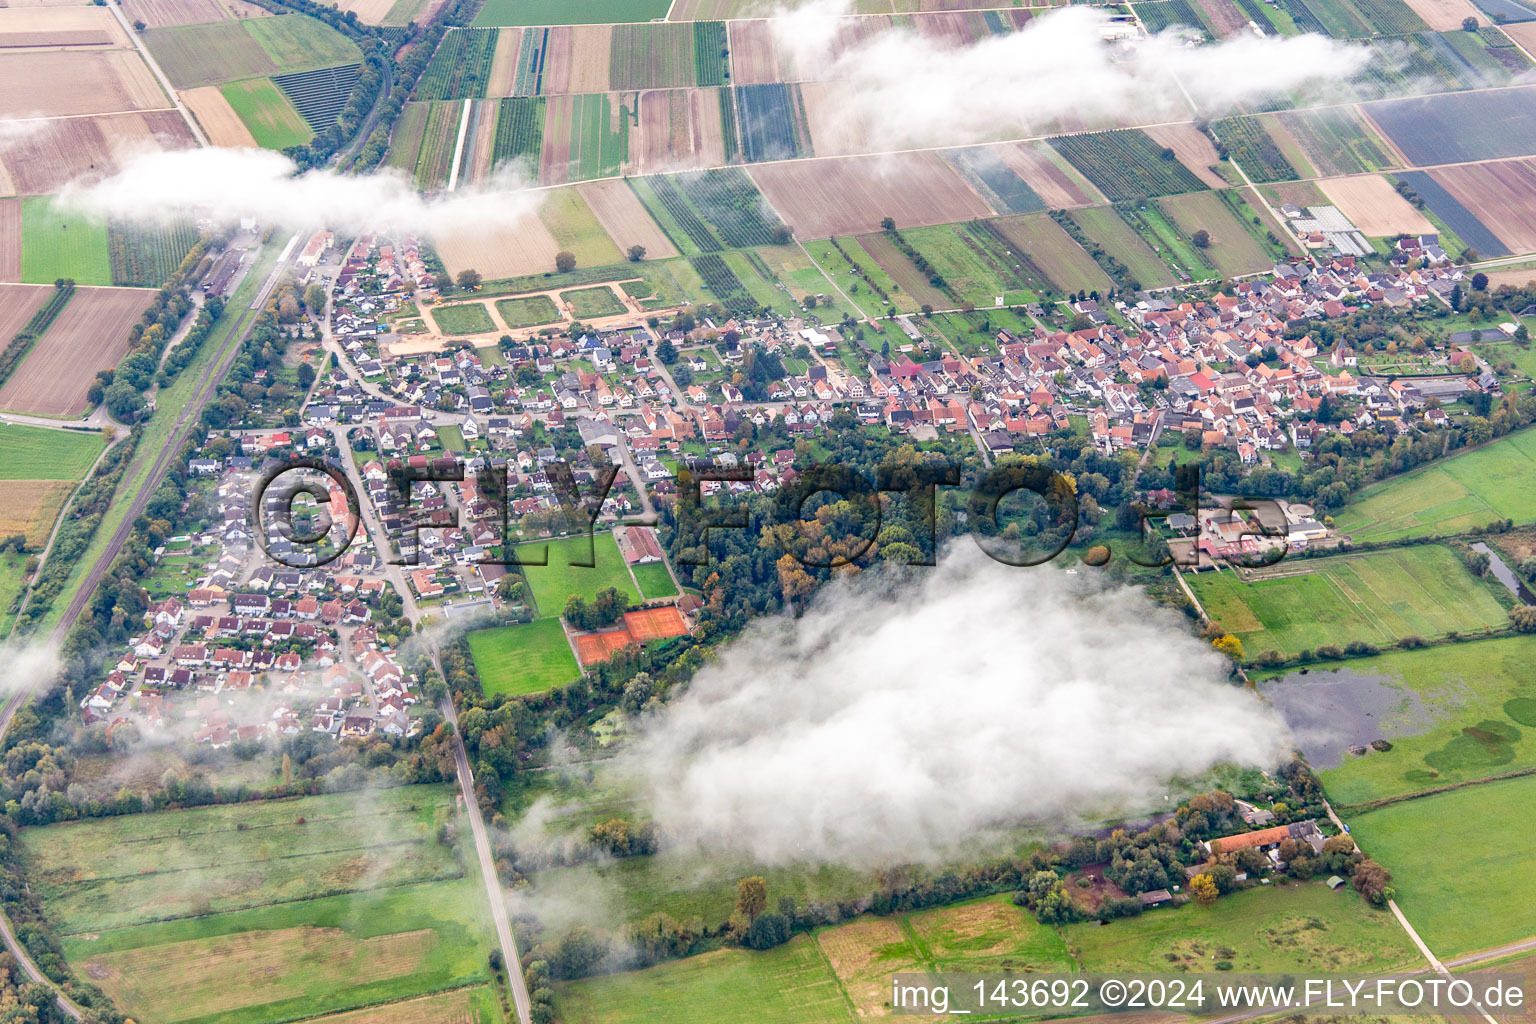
1446,15
576,59
34,84
1224,17
849,196
754,58
1059,188
90,335
679,129
527,248
482,144
837,127
18,301
369,12
60,26
41,161
447,1008
504,65
219,120
1374,206
165,13
621,214
1502,195
1192,148
10,248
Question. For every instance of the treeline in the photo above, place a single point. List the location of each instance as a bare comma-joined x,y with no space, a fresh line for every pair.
1118,272
21,344
920,261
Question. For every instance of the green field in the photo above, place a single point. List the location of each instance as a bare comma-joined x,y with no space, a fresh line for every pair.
1338,140
466,318
1378,598
587,303
1055,252
59,243
1232,250
574,227
1462,712
1300,927
1104,225
210,53
299,43
529,658
12,580
267,111
553,583
568,12
528,312
1463,877
1497,481
37,453
654,580
267,892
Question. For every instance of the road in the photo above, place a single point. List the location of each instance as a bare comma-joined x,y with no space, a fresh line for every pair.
160,76
487,863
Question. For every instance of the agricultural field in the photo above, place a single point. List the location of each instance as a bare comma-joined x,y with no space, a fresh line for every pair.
1104,226
208,54
464,318
551,584
1254,149
147,254
1497,194
529,311
90,334
162,13
1453,714
434,162
1497,481
1449,210
220,122
657,56
1337,140
676,129
523,659
1232,249
1364,18
10,243
299,43
53,153
1127,164
405,140
38,453
999,184
1043,242
707,211
267,113
585,136
1456,128
621,214
519,131
461,66
59,243
1459,879
722,284
851,195
568,12
1294,927
1374,206
321,95
1378,598
771,123
65,83
590,303
1157,15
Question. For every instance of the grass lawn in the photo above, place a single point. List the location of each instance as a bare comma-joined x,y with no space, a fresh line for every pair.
788,985
266,110
37,453
528,658
552,584
1498,481
59,243
1379,597
568,12
1298,927
468,318
1465,713
593,302
654,580
1462,877
528,312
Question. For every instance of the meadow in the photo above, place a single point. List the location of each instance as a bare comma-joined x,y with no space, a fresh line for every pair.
1104,226
267,112
587,303
56,243
1461,878
654,580
465,318
528,312
1497,481
553,583
527,658
1378,598
38,453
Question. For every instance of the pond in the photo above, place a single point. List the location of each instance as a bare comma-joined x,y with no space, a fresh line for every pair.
1330,711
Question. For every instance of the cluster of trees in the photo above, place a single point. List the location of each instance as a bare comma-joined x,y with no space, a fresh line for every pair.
606,608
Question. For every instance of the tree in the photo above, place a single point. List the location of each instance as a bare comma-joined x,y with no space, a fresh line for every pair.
1229,645
306,375
139,26
314,299
1469,24
565,261
469,279
1477,562
1374,882
887,224
1523,618
636,253
1201,238
1479,282
1204,888
1467,364
751,897
666,351
767,930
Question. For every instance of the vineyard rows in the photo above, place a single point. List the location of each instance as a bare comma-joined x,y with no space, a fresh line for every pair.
651,56
724,285
730,201
1254,149
1161,14
461,66
678,210
147,255
435,160
1011,265
772,122
320,96
529,80
1126,164
1337,141
731,142
519,130
710,53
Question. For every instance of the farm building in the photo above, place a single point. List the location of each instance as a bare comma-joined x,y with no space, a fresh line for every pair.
1267,838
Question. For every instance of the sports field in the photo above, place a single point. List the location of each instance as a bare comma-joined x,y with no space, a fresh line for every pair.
465,318
1378,598
654,580
1462,873
314,904
1299,927
267,113
530,311
37,453
1497,481
552,584
528,658
57,243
